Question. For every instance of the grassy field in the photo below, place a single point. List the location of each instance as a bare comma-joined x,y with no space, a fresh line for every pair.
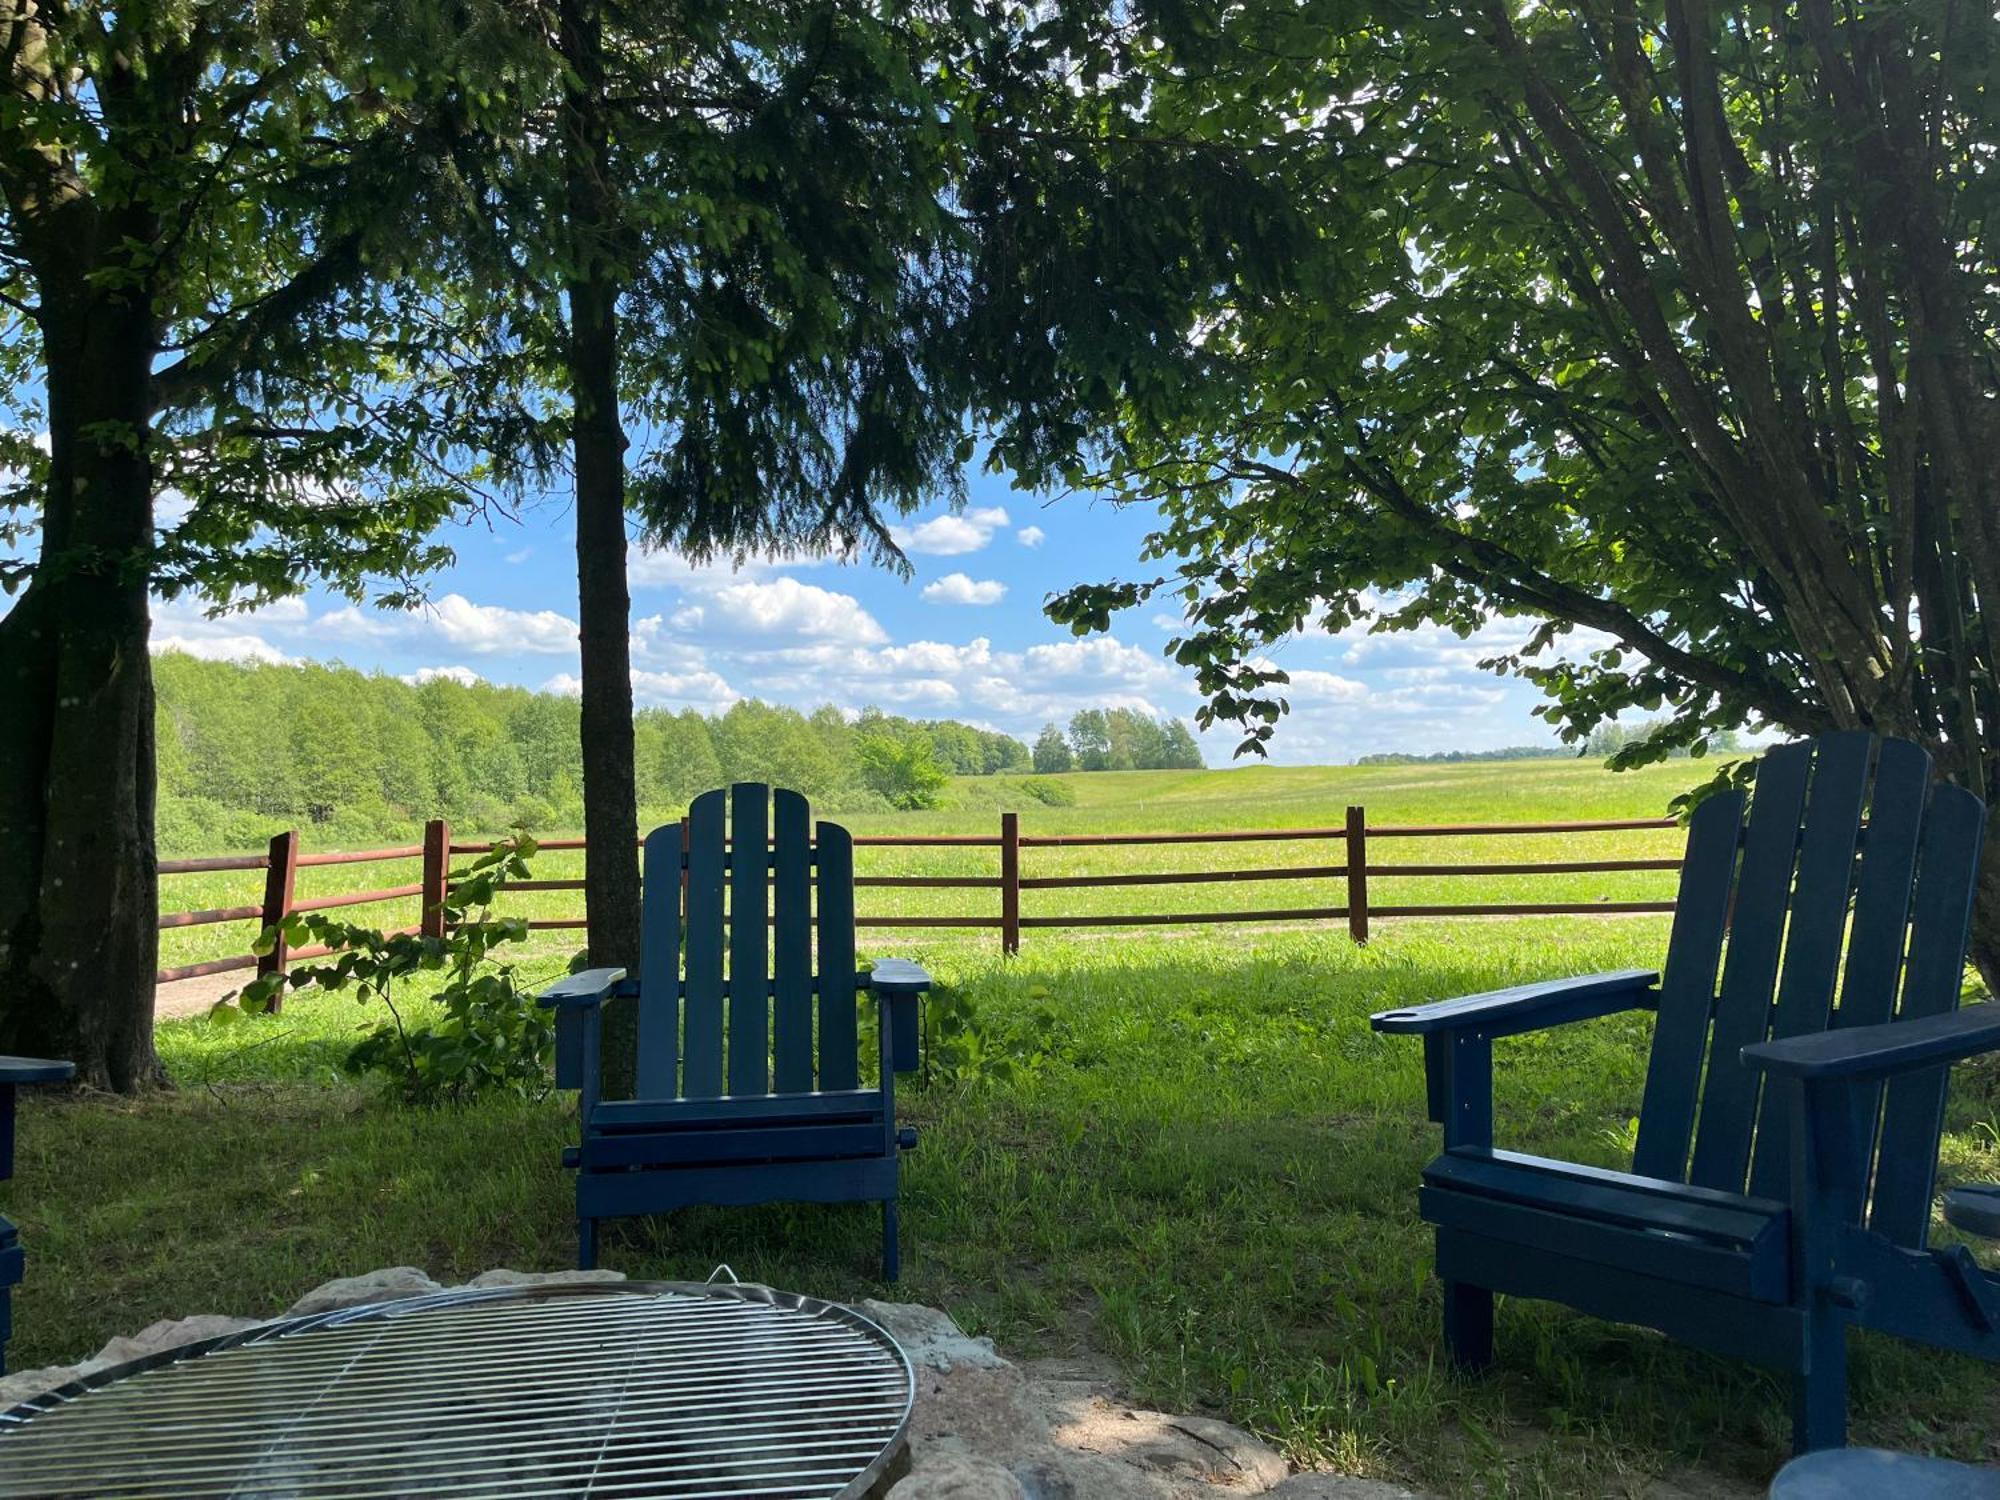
1203,1167
1118,802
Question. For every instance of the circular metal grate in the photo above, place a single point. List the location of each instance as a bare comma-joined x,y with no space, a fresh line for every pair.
621,1389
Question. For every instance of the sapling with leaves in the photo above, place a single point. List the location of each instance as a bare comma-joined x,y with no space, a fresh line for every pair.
488,1035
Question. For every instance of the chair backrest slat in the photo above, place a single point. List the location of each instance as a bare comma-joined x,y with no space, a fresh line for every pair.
1913,1105
1828,921
749,884
707,835
1879,935
1750,969
1687,988
839,1044
1813,936
660,966
791,944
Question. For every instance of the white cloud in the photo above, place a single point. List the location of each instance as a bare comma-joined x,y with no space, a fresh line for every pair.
1322,687
464,676
959,588
951,535
784,606
493,627
1031,536
232,646
663,567
1101,658
519,555
1169,622
351,623
170,508
699,689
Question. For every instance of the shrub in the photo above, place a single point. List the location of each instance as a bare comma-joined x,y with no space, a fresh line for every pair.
1049,793
491,1036
902,769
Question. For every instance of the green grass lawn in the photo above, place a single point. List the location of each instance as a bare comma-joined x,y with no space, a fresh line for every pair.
1206,1172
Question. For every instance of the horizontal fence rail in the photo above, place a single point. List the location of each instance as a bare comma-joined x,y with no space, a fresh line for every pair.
1355,870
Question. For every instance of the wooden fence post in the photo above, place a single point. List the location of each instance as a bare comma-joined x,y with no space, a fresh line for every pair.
1010,883
280,878
1357,874
437,872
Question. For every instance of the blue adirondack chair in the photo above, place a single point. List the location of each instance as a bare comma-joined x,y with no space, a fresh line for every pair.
1782,1192
15,1071
741,1098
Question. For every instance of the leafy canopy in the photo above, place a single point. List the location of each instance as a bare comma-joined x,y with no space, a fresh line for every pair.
1666,326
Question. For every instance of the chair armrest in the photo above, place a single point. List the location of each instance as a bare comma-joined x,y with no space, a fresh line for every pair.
1875,1052
1526,1007
895,976
35,1070
581,991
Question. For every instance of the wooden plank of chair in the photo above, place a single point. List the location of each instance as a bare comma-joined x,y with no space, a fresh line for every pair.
1913,1106
1750,971
659,966
839,1038
1687,988
703,1114
791,953
1879,935
1813,938
702,1068
704,1148
749,870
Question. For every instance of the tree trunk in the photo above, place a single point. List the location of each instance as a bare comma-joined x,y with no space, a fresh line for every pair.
604,605
79,884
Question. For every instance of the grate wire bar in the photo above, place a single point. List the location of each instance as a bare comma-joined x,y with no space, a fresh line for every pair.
595,1389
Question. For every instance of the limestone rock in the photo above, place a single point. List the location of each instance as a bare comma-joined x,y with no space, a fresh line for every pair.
930,1337
1188,1453
988,1412
352,1291
168,1333
958,1476
503,1277
25,1385
1337,1487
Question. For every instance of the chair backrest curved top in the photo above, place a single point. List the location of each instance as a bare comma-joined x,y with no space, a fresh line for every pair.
732,980
1837,893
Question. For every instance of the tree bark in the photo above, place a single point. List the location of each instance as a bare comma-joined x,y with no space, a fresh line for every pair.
604,606
79,885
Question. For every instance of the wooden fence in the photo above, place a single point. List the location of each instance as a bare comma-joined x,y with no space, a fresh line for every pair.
1352,841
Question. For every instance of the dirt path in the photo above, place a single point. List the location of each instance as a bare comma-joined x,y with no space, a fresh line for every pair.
190,997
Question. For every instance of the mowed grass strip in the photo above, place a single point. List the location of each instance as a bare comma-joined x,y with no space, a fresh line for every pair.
1145,801
1204,1169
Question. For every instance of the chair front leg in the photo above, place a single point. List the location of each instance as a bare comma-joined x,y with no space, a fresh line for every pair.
1458,1067
1827,1154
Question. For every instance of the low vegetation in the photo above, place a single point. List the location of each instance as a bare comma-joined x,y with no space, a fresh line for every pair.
1196,1162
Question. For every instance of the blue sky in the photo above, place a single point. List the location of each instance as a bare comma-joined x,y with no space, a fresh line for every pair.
965,637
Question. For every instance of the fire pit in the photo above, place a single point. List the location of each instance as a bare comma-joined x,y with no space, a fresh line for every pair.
610,1389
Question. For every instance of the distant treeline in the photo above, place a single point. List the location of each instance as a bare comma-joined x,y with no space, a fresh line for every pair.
1443,757
245,750
1116,739
1604,741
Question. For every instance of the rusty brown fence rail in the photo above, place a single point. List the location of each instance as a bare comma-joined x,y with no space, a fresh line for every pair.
1355,868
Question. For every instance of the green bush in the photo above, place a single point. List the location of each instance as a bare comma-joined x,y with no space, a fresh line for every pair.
901,769
1048,792
491,1037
